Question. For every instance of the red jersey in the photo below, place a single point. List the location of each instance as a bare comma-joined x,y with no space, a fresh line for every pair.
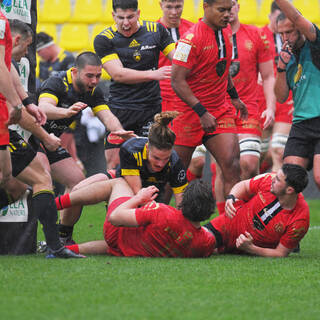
249,50
264,218
167,92
207,53
6,41
282,109
163,232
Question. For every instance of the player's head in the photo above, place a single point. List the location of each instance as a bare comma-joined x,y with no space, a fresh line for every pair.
46,47
197,201
21,38
289,32
172,10
290,179
161,140
87,71
273,15
217,13
234,14
126,16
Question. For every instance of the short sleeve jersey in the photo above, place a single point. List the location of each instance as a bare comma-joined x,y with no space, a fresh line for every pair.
64,62
134,162
139,52
207,54
6,41
164,232
303,74
264,218
249,50
167,92
60,88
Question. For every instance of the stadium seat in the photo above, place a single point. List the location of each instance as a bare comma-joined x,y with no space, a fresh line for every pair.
87,11
55,11
263,12
49,28
309,8
107,13
190,11
150,10
248,11
74,37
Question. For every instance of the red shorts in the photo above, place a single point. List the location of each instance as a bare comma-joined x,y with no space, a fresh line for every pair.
4,116
111,232
189,132
168,105
250,126
283,113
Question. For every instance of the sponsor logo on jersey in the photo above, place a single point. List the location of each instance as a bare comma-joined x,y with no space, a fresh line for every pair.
134,43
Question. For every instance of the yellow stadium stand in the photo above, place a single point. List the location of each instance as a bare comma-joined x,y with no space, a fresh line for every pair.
107,13
190,11
309,8
87,11
150,10
248,13
263,12
55,11
49,28
74,37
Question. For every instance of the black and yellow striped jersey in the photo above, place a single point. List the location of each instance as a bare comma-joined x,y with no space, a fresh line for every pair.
60,88
139,52
134,160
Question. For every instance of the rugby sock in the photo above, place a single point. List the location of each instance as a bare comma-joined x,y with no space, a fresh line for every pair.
74,248
213,177
5,198
65,232
220,207
45,210
265,166
191,176
63,202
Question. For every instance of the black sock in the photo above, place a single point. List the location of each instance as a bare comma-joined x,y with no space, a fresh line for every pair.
5,198
65,231
44,207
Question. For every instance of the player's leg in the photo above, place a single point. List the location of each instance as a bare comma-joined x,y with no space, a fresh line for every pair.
197,163
92,247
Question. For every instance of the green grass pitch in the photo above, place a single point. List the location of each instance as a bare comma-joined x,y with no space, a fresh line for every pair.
220,287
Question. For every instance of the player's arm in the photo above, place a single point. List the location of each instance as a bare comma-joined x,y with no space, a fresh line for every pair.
119,73
134,182
124,215
49,106
268,82
178,198
301,23
8,90
240,191
245,242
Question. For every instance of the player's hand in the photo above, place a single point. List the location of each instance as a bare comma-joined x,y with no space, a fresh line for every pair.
14,116
52,143
269,118
162,73
75,109
285,55
244,241
146,195
208,122
241,108
120,136
229,208
38,113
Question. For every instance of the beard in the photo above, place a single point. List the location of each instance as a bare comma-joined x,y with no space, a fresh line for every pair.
80,85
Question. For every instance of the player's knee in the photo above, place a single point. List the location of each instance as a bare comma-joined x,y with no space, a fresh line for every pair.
316,177
250,147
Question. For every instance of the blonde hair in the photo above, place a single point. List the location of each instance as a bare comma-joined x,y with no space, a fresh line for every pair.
160,135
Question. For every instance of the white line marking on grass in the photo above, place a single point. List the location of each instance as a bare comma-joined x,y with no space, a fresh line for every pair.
314,228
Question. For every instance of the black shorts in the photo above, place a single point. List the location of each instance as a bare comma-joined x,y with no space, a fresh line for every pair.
137,120
55,156
21,153
304,139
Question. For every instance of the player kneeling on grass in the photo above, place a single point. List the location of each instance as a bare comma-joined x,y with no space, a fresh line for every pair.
266,215
136,225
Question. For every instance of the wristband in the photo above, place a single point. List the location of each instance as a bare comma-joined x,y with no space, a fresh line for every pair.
26,101
281,70
233,93
231,196
18,107
199,109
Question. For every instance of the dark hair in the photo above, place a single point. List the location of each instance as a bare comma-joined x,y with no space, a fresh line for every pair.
210,2
296,176
87,58
17,26
281,17
124,4
160,135
274,7
197,201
